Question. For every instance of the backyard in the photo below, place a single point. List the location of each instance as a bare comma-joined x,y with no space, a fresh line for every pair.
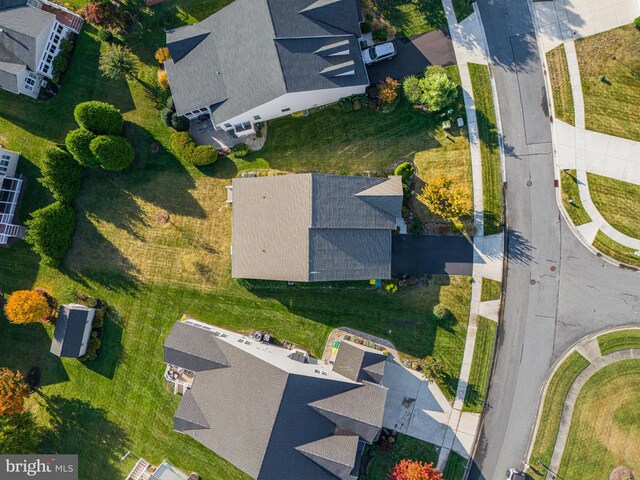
411,17
611,105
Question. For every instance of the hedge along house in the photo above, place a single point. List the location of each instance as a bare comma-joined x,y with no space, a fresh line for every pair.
31,32
256,60
73,330
10,188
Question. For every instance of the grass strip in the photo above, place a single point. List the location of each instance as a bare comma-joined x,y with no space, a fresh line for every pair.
620,340
454,470
616,250
618,202
571,198
490,290
561,85
480,366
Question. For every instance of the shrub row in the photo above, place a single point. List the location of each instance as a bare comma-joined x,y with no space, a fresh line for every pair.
50,232
61,174
99,118
184,146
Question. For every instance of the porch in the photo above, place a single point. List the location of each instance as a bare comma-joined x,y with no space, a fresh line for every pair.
181,378
204,133
143,470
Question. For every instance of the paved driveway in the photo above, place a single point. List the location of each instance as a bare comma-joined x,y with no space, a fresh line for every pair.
414,55
431,255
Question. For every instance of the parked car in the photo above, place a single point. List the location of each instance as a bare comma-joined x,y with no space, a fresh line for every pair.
513,474
379,52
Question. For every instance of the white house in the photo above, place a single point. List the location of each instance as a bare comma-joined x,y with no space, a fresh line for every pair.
31,32
256,60
10,187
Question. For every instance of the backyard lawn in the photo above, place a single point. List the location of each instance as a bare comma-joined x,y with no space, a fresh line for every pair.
615,250
412,17
619,340
571,198
611,106
480,365
618,202
561,85
605,427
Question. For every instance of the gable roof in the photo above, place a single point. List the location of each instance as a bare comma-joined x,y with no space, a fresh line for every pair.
311,227
21,26
254,51
195,353
358,362
336,454
71,324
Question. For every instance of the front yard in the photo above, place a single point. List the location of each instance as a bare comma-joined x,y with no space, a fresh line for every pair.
409,17
618,202
563,106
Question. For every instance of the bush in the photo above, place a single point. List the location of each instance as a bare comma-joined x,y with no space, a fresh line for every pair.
357,104
380,34
440,312
163,80
347,105
438,90
63,59
61,174
170,105
26,306
77,143
365,27
636,22
162,55
180,123
411,88
405,170
101,313
184,146
388,90
113,153
240,150
92,349
390,287
166,114
99,118
50,232
105,35
416,228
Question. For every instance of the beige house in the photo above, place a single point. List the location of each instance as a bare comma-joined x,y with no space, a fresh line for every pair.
10,187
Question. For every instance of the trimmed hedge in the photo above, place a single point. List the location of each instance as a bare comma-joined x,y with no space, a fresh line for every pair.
61,174
180,123
50,232
405,170
99,118
77,143
240,149
113,153
184,146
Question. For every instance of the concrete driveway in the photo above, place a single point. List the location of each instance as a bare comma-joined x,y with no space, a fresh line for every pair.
414,55
431,254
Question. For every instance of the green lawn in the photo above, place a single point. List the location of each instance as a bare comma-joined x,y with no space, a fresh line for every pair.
463,9
489,148
454,469
405,447
611,106
481,365
618,202
412,17
615,250
571,198
561,85
490,290
620,340
605,427
549,420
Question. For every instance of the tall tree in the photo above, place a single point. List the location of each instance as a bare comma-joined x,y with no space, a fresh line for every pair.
117,61
446,199
26,306
438,90
414,470
13,391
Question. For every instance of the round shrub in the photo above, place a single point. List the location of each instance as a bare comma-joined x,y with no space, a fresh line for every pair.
77,143
105,35
99,118
380,35
365,27
636,22
441,312
347,106
180,123
357,104
50,232
166,114
113,152
240,150
184,146
92,349
411,89
405,170
61,174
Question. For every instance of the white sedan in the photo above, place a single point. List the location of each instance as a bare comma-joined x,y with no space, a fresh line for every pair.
379,52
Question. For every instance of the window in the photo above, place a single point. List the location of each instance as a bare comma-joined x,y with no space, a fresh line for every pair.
49,58
256,117
286,109
46,69
56,39
59,29
52,49
30,81
228,125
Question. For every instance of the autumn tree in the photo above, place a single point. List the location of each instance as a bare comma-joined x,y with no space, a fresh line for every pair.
414,470
388,90
163,81
432,369
117,61
162,55
446,199
13,391
26,306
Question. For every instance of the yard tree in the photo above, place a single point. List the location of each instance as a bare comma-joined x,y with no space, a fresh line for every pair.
446,199
26,306
162,55
414,470
117,61
50,232
388,90
13,391
438,90
163,81
411,88
61,174
432,369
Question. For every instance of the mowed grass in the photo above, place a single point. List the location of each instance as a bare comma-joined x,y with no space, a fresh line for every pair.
490,290
405,448
563,106
605,427
611,107
618,202
413,17
489,148
454,469
480,365
619,340
551,413
616,250
571,198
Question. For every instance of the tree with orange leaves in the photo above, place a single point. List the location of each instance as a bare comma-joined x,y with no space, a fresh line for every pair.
13,391
414,470
388,90
26,306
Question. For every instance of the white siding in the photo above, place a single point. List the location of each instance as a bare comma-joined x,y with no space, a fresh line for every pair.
87,332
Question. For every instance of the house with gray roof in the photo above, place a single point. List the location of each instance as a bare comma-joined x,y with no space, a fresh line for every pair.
73,330
10,191
31,32
273,414
311,227
256,60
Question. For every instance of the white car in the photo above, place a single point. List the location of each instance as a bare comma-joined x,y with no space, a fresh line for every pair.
379,52
513,474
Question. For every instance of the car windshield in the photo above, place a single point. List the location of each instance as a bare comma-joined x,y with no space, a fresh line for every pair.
373,54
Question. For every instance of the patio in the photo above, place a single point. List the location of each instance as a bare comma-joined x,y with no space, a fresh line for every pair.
204,133
182,379
143,470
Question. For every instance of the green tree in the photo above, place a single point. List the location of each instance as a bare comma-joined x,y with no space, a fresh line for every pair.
411,89
61,174
77,143
20,433
432,369
113,153
438,90
50,232
117,61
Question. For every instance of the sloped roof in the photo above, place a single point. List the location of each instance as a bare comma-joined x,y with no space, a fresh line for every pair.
336,454
311,227
21,25
358,362
70,328
195,353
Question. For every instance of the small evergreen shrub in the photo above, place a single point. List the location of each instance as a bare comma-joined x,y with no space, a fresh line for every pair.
184,146
105,35
380,34
50,232
240,150
365,27
77,143
180,123
166,114
170,105
415,227
405,170
61,174
99,118
441,312
92,349
347,105
411,89
113,152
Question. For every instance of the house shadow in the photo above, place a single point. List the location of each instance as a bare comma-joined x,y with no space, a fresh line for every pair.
111,351
222,168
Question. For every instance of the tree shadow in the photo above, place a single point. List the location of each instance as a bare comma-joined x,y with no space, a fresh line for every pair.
77,427
155,92
519,249
111,351
222,168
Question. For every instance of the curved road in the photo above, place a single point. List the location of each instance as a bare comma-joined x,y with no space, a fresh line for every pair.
557,291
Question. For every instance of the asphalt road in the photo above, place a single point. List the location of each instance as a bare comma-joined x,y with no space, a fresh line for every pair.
431,254
556,290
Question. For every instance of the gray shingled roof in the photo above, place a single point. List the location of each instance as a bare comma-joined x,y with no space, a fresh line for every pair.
336,454
310,227
260,416
359,363
195,353
69,332
21,25
230,62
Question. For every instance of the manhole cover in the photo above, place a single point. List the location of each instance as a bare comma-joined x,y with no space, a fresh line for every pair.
553,269
529,183
532,282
